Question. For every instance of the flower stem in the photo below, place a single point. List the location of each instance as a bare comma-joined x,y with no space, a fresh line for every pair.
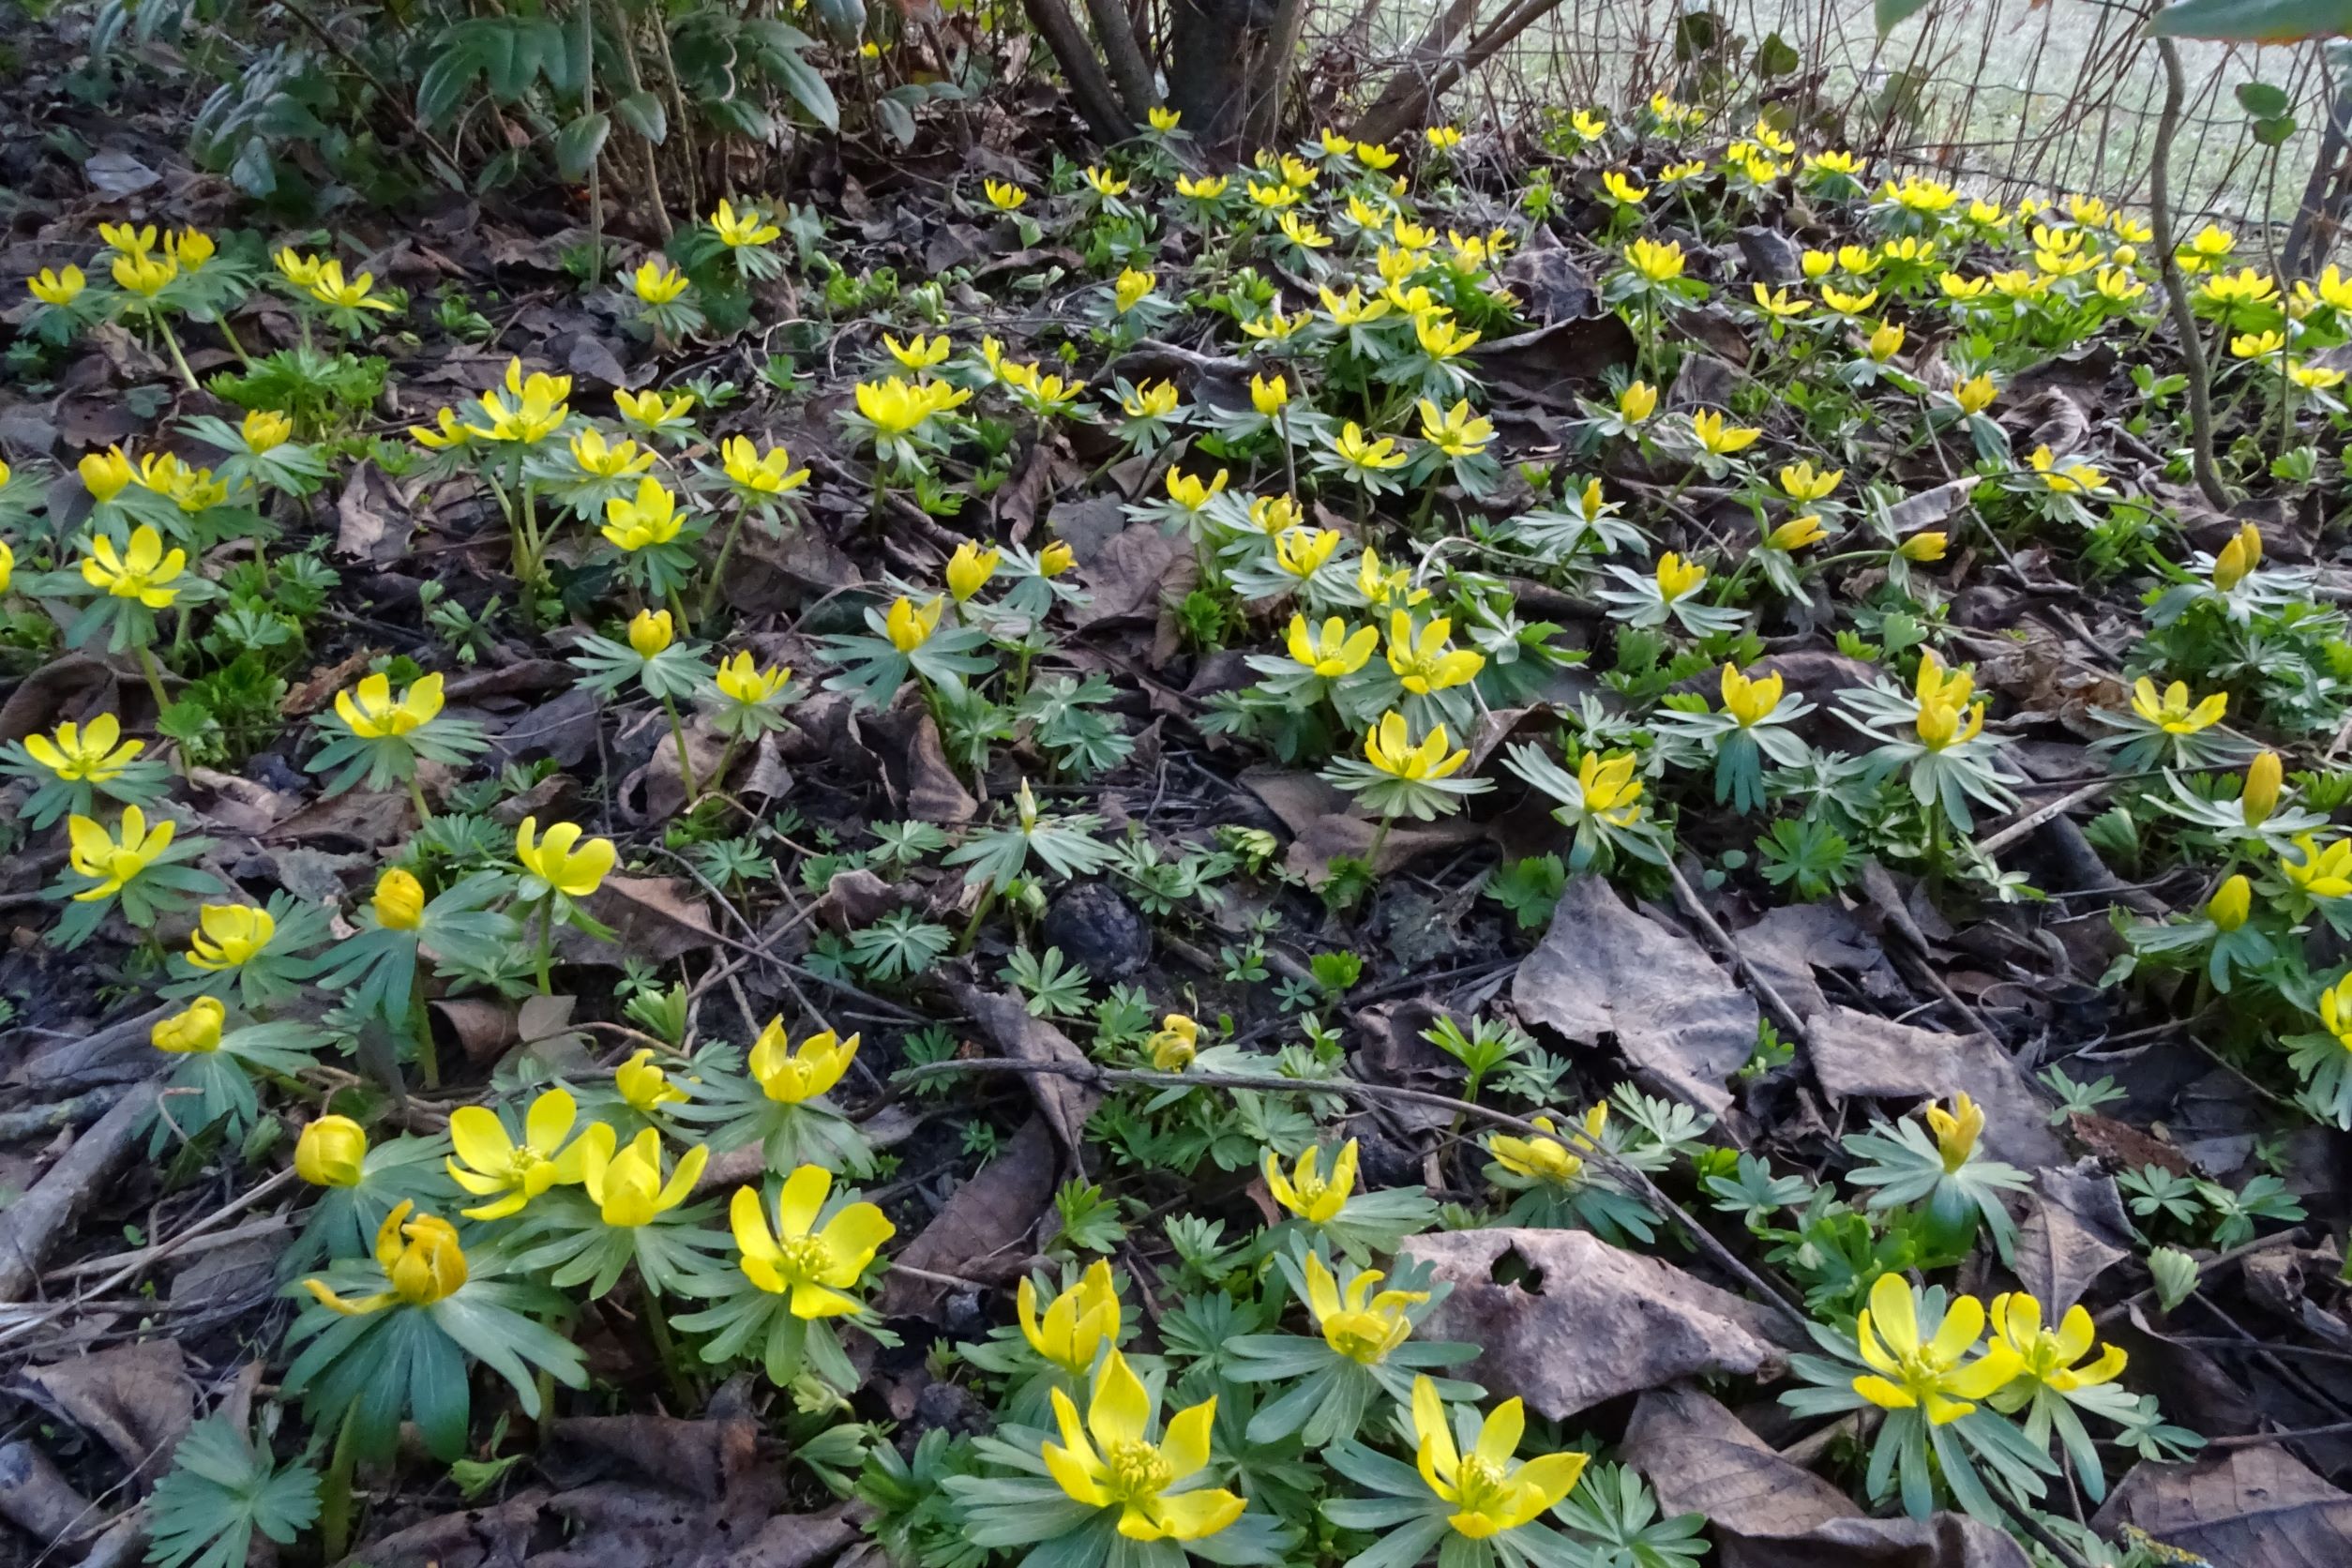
658,1329
335,1491
685,766
155,679
179,361
979,913
547,943
420,1026
417,798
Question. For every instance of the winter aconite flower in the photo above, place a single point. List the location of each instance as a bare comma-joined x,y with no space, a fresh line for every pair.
421,1259
748,228
792,1075
2049,1357
649,518
1109,1461
1654,262
1946,715
2172,712
1076,1325
560,860
1358,1324
400,901
228,935
642,1085
144,572
370,712
494,1165
1490,1491
2318,873
59,289
113,859
1388,745
1174,1044
194,1031
1305,1189
86,753
1932,1375
628,1186
814,1266
1548,1159
1424,662
969,570
331,1152
1333,650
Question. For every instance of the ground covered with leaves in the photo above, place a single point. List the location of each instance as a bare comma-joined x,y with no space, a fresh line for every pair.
1571,847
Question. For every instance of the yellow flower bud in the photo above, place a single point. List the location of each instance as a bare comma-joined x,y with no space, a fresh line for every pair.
197,1030
1927,546
2230,903
650,632
2260,795
400,901
330,1152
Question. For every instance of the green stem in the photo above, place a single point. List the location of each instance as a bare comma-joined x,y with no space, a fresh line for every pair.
547,945
658,1329
686,767
420,1026
417,798
979,913
335,1491
179,361
236,347
711,589
1379,838
155,678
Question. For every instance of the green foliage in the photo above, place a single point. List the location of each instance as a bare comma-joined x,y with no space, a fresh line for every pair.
222,1488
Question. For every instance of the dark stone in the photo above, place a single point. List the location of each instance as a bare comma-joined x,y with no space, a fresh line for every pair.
1096,927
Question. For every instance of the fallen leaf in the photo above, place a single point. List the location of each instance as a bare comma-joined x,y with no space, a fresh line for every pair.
1064,1102
1764,1512
371,523
915,767
136,1399
1324,826
1564,1320
1860,1054
983,1234
2253,1507
1604,971
2074,1230
655,919
1550,365
1133,574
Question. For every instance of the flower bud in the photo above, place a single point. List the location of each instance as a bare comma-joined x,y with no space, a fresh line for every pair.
2230,903
196,1030
2260,795
650,632
1927,546
400,901
330,1152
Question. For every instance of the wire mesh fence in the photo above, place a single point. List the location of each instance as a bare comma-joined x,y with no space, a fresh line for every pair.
2005,96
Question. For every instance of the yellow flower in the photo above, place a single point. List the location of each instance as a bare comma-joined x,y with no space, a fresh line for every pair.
1815,265
1797,533
2172,713
1490,1491
2335,1011
1272,197
1945,717
1749,701
1364,451
1388,746
488,1163
650,518
561,860
1622,189
908,628
1177,1041
86,753
1801,482
1780,304
1588,125
2259,795
1677,578
194,1031
1637,403
1548,1159
2049,1357
144,275
1928,544
1921,196
143,572
2313,378
651,631
2238,558
1442,138
789,1076
1103,182
1376,157
738,680
918,353
127,239
1107,1461
1305,1190
968,570
57,288
628,1186
116,858
1956,1130
536,409
650,409
2254,345
1335,651
2231,903
1269,396
609,460
1208,187
1130,288
656,282
331,1152
1078,1323
1424,664
1975,395
1005,196
814,1267
769,474
446,432
1152,400
295,267
736,231
1440,338
1056,558
1274,515
1301,233
370,712
1360,1326
1929,1376
1848,304
265,429
1957,287
1886,342
1658,262
1719,435
643,1086
1302,551
228,936
400,901
420,1257
2074,478
1610,791
2320,873
893,407
329,288
1457,433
